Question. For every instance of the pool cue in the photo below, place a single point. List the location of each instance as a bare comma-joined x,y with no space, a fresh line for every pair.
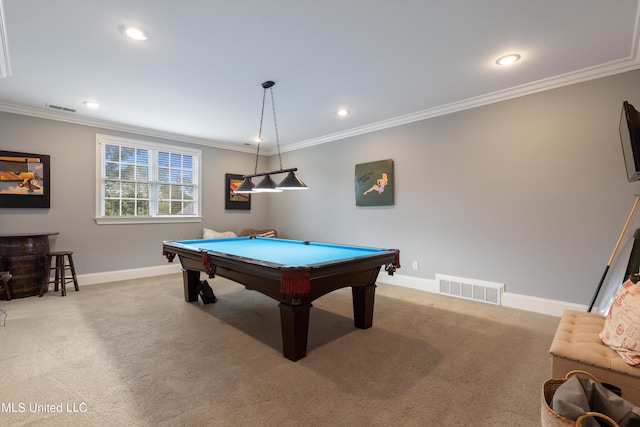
615,249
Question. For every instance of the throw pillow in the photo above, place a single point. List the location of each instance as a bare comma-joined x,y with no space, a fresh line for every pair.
621,329
212,234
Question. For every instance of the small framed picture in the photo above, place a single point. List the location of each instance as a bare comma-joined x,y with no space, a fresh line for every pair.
235,200
24,180
374,183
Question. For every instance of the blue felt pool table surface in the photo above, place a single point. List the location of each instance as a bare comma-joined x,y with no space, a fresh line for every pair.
285,252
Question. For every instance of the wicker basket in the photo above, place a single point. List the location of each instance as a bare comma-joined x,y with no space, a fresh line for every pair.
547,415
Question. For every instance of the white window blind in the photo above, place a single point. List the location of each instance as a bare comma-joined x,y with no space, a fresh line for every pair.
140,181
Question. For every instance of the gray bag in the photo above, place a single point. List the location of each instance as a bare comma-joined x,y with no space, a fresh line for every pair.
580,394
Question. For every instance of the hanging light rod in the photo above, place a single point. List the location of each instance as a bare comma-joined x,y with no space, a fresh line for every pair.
253,175
291,182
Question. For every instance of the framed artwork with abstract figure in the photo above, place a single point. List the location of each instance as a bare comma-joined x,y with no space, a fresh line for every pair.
235,200
25,180
374,183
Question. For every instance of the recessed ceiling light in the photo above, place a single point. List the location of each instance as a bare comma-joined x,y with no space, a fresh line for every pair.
92,105
508,59
342,113
134,33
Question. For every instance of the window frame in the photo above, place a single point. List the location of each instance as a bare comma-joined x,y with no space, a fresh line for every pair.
153,147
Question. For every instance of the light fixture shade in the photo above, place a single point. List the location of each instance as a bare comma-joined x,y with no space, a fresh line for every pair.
245,187
292,182
266,185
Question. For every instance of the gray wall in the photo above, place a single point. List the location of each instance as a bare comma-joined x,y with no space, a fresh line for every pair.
101,248
529,192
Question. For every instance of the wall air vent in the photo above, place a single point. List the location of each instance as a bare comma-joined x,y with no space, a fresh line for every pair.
477,290
57,107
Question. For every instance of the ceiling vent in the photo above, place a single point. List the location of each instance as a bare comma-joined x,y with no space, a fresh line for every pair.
57,107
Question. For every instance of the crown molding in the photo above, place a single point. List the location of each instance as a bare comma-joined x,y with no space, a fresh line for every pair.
5,64
104,124
615,67
630,63
592,73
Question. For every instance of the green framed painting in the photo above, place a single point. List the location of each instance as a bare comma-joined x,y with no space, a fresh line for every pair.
374,183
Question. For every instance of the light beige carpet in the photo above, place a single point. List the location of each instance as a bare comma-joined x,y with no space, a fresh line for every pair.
135,353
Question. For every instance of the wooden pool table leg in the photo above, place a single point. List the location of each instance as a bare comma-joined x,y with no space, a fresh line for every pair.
363,299
190,280
294,321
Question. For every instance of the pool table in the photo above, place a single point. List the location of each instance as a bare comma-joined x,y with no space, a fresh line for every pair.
293,272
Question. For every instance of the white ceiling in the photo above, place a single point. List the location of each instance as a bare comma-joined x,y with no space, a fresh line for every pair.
198,76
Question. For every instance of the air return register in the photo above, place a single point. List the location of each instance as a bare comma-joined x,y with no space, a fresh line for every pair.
472,289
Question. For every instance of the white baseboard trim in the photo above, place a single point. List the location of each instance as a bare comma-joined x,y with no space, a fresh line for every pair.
539,305
408,282
509,299
135,273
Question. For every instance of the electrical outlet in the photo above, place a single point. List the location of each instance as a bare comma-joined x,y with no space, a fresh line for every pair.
415,265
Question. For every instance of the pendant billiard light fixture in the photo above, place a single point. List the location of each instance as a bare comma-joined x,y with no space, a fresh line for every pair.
291,182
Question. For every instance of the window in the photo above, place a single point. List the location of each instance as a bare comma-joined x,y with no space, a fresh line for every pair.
143,182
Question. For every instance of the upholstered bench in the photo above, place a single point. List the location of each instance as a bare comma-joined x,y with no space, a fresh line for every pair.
577,345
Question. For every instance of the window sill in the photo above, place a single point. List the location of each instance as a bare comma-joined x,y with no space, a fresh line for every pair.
146,220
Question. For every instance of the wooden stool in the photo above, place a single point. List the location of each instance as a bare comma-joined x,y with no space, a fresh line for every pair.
60,267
